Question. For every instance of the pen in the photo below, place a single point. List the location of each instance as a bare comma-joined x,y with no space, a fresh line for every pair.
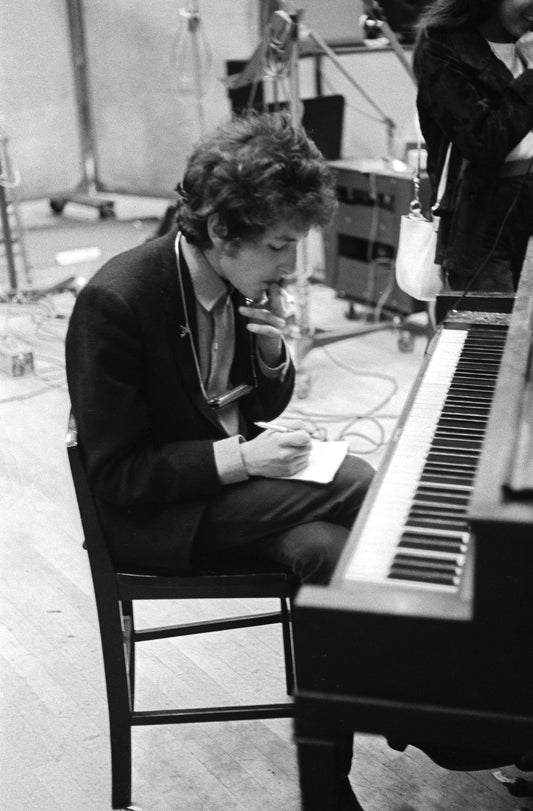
273,426
282,429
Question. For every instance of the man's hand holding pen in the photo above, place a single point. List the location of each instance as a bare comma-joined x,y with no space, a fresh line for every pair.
278,450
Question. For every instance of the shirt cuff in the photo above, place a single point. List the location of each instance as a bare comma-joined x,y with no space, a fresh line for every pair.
274,372
229,461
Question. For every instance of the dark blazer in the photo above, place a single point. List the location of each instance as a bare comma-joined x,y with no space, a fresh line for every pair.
467,96
144,427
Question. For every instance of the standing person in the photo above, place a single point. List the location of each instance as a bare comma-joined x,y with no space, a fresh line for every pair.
175,350
473,61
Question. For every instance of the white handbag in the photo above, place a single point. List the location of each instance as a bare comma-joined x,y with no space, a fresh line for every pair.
416,271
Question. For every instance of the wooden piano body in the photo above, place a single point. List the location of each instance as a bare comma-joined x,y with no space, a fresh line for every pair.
446,658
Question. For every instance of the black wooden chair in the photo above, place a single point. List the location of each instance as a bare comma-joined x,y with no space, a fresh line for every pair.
115,593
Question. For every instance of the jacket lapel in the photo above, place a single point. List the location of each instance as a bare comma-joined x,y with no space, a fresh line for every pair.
181,327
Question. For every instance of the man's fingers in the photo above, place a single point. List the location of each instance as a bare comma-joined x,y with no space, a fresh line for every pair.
296,439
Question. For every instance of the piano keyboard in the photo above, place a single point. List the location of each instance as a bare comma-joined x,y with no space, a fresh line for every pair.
416,530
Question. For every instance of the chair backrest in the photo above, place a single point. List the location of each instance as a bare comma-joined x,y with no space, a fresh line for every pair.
102,568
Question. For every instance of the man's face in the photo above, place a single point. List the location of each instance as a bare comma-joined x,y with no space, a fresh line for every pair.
253,266
516,16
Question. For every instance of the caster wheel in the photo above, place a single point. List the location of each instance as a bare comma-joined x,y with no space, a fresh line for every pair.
405,341
351,313
107,212
57,205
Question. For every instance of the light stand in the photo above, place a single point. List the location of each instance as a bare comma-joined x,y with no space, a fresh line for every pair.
373,10
85,193
200,62
319,42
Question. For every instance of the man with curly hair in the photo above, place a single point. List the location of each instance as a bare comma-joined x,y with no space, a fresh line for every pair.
175,350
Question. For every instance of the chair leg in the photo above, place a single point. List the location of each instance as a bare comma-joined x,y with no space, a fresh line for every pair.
119,704
129,645
120,734
287,645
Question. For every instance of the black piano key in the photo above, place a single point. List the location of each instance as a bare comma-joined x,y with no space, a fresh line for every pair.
472,383
442,494
460,499
485,364
462,430
427,562
487,354
441,464
461,460
450,548
471,391
456,444
456,421
426,543
443,439
440,499
459,435
464,374
438,579
458,518
451,410
421,508
433,536
460,401
433,522
432,477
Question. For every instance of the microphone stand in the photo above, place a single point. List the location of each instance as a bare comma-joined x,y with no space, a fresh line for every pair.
373,10
319,42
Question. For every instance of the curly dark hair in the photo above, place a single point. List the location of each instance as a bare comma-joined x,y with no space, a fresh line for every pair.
254,172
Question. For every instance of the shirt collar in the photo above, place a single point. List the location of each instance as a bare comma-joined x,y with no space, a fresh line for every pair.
208,286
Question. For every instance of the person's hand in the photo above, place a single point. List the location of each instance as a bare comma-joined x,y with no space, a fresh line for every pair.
267,320
273,453
524,46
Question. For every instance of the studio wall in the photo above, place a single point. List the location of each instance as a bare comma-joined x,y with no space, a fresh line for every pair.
143,89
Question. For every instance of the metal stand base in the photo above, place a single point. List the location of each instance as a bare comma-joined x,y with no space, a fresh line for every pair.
37,293
106,207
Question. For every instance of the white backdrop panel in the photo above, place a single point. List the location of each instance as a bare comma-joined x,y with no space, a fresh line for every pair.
38,111
142,92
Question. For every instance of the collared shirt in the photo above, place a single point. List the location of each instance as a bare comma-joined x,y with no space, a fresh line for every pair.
216,344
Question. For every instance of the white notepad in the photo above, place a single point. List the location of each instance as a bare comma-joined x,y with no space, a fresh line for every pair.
324,461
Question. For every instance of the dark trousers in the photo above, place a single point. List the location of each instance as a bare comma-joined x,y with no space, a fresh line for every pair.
302,525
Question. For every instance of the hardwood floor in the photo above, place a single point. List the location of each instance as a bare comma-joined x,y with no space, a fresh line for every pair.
54,750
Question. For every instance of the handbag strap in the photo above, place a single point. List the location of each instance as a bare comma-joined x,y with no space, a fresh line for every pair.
443,178
415,207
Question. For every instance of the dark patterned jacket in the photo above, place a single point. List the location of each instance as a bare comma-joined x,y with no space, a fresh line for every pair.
467,96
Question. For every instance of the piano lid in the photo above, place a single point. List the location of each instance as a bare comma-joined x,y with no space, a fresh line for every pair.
503,491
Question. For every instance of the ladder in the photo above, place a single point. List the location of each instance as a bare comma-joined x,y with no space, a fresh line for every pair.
12,248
